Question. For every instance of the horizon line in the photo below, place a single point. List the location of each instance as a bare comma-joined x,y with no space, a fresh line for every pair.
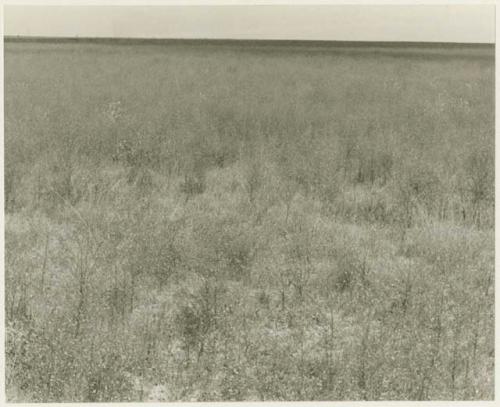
21,37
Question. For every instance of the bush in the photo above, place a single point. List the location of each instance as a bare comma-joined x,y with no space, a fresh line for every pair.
419,189
11,179
194,182
374,166
350,270
253,179
478,183
224,248
197,318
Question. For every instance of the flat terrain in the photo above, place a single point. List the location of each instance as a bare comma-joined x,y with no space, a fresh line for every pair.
248,221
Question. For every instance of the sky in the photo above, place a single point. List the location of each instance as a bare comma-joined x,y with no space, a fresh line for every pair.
447,23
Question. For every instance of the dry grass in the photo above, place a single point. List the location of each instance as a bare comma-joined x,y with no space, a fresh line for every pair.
223,223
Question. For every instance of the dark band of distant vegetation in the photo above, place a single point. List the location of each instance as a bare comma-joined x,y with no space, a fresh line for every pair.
355,48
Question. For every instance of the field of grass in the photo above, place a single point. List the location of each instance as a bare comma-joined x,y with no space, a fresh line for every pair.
190,221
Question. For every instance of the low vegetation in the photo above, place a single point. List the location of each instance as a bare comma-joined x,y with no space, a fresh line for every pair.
228,223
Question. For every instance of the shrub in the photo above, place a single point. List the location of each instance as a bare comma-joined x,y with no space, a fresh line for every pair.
224,247
478,183
198,317
300,252
136,155
419,189
194,182
222,156
253,179
350,270
374,166
11,179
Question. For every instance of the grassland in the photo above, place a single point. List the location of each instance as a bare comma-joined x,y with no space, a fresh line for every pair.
190,221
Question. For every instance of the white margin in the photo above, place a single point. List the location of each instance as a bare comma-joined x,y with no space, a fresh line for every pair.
254,2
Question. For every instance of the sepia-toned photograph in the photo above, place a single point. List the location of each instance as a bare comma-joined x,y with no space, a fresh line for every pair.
249,202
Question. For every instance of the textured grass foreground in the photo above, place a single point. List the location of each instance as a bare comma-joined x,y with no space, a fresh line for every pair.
220,223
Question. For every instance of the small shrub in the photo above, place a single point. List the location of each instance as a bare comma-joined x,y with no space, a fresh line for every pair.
135,155
253,180
224,247
264,299
478,183
141,177
11,178
300,253
61,185
196,318
374,166
418,189
124,153
222,157
194,182
118,301
350,270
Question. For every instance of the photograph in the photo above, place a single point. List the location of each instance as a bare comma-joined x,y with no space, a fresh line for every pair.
244,202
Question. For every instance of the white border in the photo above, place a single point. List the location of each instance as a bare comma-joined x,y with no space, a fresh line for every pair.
256,2
244,2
